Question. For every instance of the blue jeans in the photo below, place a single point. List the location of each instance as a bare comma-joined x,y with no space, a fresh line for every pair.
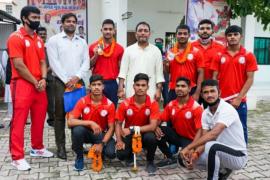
242,111
110,91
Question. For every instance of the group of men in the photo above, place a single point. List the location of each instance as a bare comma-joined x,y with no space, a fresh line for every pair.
214,138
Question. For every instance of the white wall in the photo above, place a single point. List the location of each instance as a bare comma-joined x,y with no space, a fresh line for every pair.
94,20
163,16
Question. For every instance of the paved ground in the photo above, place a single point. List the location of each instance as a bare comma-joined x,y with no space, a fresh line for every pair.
258,166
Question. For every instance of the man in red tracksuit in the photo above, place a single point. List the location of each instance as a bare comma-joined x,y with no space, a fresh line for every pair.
26,51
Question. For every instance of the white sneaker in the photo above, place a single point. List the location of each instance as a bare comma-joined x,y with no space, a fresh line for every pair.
21,165
41,153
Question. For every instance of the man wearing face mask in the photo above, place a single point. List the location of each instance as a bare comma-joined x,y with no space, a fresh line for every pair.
28,84
69,61
105,60
208,46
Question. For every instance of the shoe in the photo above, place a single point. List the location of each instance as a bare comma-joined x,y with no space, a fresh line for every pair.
61,153
151,167
50,122
180,162
21,165
168,162
41,153
79,166
224,173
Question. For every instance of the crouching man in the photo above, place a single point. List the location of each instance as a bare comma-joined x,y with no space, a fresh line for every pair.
138,111
221,147
92,121
184,114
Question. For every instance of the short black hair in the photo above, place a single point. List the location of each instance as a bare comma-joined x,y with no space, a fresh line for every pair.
186,80
96,77
80,27
182,26
108,21
159,39
206,21
210,82
233,29
68,15
141,76
26,10
41,29
142,23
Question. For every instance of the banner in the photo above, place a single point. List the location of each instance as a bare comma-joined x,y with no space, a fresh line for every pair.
215,10
52,11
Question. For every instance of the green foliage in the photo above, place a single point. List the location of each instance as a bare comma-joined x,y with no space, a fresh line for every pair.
260,8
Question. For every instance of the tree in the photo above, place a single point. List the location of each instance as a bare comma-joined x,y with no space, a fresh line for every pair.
260,9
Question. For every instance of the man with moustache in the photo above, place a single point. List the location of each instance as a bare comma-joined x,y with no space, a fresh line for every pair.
207,45
235,68
69,61
184,60
105,57
220,146
184,114
28,84
141,57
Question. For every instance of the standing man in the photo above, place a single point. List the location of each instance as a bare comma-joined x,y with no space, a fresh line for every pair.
184,60
42,32
105,58
138,112
141,57
207,45
220,145
234,68
92,121
69,61
27,55
184,114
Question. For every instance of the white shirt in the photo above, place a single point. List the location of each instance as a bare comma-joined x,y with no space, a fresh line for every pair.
198,11
232,135
138,60
67,57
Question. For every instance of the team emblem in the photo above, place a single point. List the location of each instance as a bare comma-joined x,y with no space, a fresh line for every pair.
223,60
86,110
173,112
103,113
170,56
188,115
190,57
129,112
147,112
242,60
39,44
27,43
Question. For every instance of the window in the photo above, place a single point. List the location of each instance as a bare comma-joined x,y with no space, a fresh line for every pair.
262,50
9,9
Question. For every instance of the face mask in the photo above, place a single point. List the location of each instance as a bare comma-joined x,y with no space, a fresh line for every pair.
33,24
160,46
214,103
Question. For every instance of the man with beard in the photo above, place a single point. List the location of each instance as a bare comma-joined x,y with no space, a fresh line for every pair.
92,121
105,59
184,60
234,68
207,45
141,57
138,112
220,146
69,61
28,84
185,116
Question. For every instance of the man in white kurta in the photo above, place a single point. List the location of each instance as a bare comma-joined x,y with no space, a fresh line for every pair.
141,57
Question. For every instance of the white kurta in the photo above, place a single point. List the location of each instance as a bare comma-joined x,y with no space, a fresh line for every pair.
137,60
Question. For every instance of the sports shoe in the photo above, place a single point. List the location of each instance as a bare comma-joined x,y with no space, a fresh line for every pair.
41,153
151,167
169,162
180,161
224,173
79,166
21,165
